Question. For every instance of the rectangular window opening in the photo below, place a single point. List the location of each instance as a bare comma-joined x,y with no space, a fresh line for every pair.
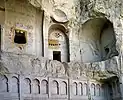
20,37
57,55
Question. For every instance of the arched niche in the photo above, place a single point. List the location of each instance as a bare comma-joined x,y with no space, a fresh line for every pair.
85,89
63,88
55,87
74,88
58,43
93,89
27,86
97,90
36,86
3,84
44,87
97,40
80,89
14,85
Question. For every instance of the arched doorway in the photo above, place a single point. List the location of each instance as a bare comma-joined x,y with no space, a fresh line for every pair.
58,43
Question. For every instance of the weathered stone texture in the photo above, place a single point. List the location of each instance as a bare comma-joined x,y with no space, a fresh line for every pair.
22,15
89,35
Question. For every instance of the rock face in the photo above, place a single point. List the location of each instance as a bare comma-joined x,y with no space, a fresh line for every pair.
87,19
61,49
34,74
33,65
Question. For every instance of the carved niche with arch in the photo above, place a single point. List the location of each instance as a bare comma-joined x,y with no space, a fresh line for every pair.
58,41
4,84
44,86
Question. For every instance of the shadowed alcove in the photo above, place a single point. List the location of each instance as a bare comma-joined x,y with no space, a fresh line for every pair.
97,40
58,43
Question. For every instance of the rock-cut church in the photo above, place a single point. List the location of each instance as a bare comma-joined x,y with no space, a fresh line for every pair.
61,50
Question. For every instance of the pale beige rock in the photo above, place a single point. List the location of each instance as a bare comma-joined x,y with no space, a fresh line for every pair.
91,39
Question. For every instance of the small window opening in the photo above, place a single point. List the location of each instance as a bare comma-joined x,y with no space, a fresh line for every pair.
57,55
20,37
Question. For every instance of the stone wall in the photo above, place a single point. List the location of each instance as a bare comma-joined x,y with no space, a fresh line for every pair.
23,16
83,43
28,87
27,76
81,47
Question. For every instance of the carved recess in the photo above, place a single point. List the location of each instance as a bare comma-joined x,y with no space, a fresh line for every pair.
59,16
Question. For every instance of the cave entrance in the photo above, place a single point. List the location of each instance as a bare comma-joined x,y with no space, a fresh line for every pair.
98,40
57,55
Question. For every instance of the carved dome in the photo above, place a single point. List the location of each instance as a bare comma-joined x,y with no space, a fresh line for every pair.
59,16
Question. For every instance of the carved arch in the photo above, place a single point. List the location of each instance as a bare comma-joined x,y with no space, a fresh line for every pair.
55,87
4,84
57,39
85,89
74,88
98,90
80,88
63,88
27,86
36,86
44,86
15,84
93,89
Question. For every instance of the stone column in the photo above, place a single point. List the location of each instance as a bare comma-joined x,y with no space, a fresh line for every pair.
49,88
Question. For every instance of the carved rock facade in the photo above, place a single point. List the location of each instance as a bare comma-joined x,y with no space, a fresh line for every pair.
61,50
